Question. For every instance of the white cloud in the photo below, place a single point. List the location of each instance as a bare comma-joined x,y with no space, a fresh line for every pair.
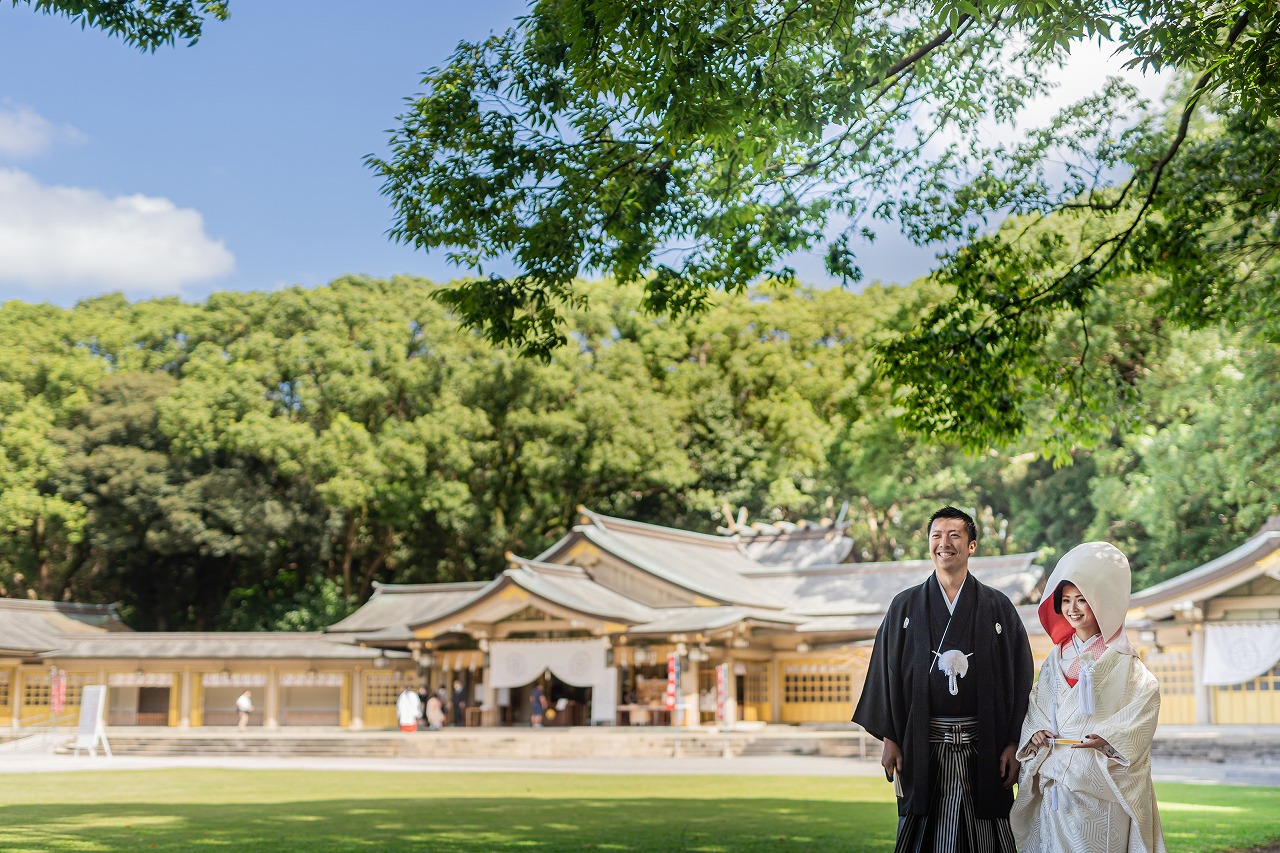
25,133
63,239
1085,72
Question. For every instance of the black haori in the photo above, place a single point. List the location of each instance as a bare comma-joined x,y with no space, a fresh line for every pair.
896,699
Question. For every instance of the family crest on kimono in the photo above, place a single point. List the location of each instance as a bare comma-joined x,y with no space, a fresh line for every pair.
946,691
1086,743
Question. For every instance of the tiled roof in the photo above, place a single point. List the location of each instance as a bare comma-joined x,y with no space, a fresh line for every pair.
809,546
574,589
867,624
567,586
722,568
30,627
707,569
196,644
1214,578
678,620
855,589
402,605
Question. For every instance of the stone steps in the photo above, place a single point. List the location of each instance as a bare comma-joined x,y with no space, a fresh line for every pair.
1217,750
1261,745
564,743
372,747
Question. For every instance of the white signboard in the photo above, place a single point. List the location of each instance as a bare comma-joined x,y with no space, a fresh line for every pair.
92,730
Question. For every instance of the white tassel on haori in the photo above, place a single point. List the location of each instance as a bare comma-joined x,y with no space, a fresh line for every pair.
1086,684
953,664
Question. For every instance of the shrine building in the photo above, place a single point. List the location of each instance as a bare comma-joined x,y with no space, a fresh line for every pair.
593,620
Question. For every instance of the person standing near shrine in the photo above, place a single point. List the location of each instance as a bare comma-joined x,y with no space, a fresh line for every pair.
434,712
244,707
537,705
946,691
1086,785
459,706
408,709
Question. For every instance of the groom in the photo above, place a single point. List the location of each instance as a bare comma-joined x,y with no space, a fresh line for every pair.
947,691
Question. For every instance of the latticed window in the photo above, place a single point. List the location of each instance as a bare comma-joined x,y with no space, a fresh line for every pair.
4,690
1173,670
75,687
706,680
805,683
755,685
383,688
35,690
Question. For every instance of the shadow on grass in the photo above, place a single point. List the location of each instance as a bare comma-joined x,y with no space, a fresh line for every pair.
265,812
433,823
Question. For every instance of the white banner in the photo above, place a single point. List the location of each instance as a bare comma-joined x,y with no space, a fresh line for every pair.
140,679
233,679
514,663
310,679
1240,652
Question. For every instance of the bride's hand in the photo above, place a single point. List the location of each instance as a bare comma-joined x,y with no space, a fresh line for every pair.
1094,742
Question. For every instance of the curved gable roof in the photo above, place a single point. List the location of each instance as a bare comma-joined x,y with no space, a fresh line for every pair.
565,587
712,572
158,645
399,605
858,589
1256,557
31,627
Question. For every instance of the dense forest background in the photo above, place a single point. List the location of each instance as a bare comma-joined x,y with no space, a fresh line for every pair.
257,460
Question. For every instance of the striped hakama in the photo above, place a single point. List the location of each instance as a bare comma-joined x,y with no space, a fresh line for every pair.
950,826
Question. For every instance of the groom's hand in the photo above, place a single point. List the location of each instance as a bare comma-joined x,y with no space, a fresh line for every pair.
891,759
1009,766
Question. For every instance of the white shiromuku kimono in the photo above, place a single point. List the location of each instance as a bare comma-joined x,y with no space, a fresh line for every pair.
1084,800
1080,800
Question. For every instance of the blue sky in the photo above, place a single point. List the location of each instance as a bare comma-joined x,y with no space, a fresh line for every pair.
236,163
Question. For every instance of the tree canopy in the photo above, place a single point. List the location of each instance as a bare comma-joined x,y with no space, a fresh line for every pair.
692,146
144,24
258,460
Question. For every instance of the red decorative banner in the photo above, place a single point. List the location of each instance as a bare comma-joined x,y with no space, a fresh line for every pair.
673,680
57,691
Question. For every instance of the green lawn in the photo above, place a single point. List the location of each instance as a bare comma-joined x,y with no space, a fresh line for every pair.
321,811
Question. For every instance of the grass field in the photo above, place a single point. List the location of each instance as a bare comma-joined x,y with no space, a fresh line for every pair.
247,811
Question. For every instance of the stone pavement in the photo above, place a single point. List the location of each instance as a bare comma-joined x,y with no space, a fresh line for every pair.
1207,772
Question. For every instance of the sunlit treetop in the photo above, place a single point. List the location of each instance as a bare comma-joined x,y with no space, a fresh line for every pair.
694,146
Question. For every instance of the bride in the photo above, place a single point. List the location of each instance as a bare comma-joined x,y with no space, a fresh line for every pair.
1085,784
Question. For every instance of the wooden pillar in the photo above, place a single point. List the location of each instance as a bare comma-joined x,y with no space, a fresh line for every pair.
691,697
15,695
357,699
489,704
19,688
271,713
1204,694
184,700
775,690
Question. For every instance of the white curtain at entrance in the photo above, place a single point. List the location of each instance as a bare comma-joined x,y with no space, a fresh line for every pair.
515,663
1240,652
